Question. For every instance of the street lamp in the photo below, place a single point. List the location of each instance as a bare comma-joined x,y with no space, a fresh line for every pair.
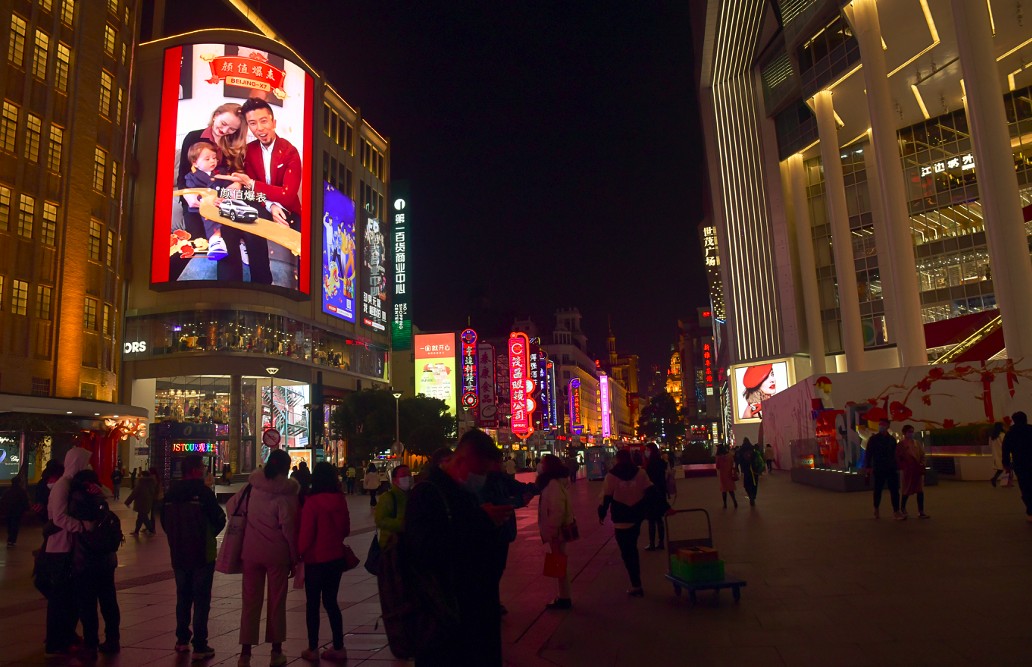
397,423
272,370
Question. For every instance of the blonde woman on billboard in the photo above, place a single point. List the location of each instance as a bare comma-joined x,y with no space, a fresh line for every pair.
759,384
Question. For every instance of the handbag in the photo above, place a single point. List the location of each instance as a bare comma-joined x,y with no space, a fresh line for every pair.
372,561
570,532
351,561
555,565
229,558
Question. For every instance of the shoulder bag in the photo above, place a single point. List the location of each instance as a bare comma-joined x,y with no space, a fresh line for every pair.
229,559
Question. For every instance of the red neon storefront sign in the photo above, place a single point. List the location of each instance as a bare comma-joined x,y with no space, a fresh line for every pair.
521,405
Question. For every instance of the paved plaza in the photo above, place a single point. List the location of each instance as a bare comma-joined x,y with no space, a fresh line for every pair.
827,585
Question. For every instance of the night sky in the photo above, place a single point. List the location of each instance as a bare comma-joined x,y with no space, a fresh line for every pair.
553,152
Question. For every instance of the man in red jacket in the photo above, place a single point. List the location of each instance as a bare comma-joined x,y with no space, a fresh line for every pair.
272,168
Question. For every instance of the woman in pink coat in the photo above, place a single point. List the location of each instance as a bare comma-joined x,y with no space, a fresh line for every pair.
726,474
911,461
325,523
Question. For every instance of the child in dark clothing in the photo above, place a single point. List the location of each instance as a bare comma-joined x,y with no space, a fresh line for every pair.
204,159
15,502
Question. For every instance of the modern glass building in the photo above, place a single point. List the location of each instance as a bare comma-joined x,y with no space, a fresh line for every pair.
870,166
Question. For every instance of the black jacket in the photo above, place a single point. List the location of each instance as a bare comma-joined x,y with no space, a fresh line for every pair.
191,517
1017,447
881,453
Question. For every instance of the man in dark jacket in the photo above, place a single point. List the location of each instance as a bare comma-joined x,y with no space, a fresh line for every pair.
1017,457
452,539
191,517
501,489
881,459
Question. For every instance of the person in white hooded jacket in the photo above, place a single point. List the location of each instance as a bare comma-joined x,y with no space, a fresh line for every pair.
61,602
269,550
554,512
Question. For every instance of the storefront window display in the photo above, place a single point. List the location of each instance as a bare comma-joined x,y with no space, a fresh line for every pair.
250,332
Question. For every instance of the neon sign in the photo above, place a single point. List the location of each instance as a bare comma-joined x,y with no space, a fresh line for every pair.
193,447
521,405
575,407
488,406
603,390
469,369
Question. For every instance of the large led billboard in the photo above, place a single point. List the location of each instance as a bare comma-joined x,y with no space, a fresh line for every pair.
338,255
374,275
235,143
435,367
401,322
755,383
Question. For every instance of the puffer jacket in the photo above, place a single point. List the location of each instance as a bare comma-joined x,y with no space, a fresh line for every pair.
271,534
554,510
325,523
76,460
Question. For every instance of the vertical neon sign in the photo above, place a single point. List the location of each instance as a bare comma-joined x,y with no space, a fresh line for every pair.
575,407
520,386
603,388
469,369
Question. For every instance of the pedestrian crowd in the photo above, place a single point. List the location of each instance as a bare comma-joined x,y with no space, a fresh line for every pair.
439,552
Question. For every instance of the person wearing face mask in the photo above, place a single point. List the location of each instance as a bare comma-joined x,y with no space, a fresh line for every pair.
450,538
390,509
880,459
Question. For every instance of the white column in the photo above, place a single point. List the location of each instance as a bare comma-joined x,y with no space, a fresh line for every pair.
882,241
997,182
909,329
841,239
807,264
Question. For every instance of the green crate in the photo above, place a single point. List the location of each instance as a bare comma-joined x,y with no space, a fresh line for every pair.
691,572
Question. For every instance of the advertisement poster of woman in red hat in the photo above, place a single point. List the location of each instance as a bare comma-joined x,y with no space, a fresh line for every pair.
759,383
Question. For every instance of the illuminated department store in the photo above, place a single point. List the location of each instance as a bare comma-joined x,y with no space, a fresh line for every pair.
220,350
870,168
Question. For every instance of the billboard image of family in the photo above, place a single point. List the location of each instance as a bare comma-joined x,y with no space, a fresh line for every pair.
338,257
754,384
234,157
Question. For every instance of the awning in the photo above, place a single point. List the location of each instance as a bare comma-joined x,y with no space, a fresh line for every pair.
69,407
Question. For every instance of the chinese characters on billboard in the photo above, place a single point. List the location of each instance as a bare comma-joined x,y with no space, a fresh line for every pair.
576,423
469,369
223,211
754,384
338,257
374,262
401,322
520,386
435,367
603,390
488,404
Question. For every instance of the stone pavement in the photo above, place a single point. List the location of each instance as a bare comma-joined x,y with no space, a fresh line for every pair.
827,585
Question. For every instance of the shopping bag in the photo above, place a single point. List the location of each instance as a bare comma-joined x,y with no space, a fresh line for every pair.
351,561
555,565
372,560
228,560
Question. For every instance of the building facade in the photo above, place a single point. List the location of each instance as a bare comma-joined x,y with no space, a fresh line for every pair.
64,148
271,336
871,174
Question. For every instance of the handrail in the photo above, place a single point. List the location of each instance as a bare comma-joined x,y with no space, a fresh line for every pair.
975,338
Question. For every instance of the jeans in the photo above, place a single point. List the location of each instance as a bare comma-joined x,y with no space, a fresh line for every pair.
61,613
883,478
93,586
627,540
322,580
656,525
193,589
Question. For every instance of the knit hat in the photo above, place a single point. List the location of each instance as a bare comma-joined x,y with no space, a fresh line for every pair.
754,375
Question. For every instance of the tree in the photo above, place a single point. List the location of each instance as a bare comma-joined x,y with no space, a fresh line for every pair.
660,419
366,420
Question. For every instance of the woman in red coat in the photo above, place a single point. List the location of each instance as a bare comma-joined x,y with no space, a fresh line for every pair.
911,461
726,474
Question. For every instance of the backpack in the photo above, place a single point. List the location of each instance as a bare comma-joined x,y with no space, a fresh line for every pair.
106,536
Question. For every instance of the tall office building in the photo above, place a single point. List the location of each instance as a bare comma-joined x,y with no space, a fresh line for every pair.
870,166
64,144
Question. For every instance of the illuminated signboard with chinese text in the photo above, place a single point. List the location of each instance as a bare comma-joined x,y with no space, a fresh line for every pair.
435,367
198,234
374,278
963,163
487,408
707,366
338,261
469,369
554,420
544,402
194,447
709,247
603,390
576,423
401,321
521,405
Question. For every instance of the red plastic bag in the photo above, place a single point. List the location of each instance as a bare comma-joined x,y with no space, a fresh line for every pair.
555,565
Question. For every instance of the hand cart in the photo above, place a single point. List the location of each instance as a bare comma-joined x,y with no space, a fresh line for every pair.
674,544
